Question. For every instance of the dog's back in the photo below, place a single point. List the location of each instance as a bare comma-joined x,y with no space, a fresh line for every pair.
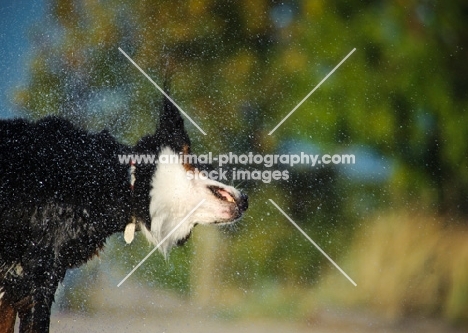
52,159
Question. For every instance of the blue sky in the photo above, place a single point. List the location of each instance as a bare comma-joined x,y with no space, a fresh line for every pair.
17,18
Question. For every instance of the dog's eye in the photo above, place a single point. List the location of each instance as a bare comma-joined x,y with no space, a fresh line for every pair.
221,194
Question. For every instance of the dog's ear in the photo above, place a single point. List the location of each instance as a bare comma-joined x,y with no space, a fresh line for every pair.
169,133
171,128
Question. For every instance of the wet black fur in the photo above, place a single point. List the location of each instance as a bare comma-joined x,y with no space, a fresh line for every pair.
62,193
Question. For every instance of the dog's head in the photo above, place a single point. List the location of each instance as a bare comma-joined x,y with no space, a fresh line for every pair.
178,194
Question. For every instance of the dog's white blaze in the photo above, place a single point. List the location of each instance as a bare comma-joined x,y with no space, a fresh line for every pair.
174,195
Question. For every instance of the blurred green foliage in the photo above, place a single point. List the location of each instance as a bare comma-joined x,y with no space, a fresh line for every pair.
238,67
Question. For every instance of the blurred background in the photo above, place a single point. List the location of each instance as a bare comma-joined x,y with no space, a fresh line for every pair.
395,221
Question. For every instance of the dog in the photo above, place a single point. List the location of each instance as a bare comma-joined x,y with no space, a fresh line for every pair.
63,192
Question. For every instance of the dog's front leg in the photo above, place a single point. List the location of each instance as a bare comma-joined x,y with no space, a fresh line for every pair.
35,315
41,278
7,317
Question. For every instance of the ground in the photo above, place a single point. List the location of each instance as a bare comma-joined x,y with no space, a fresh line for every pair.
134,308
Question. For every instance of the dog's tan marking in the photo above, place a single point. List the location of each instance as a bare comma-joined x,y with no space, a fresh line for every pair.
8,317
187,166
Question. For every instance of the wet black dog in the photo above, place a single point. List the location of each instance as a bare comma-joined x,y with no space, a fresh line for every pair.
63,191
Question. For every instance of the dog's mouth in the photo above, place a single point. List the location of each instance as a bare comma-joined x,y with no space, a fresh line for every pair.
222,194
239,203
232,204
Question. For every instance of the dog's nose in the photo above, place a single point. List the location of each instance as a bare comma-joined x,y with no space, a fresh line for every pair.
243,203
